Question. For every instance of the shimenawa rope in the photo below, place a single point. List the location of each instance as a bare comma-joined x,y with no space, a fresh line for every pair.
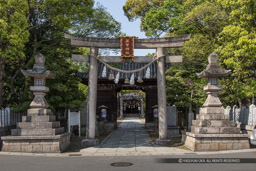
155,58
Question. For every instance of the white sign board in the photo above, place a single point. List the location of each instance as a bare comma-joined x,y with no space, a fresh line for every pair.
74,119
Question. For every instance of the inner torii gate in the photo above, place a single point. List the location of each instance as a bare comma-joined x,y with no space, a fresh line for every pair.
157,43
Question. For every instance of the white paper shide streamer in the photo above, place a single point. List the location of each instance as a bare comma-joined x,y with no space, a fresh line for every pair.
104,72
147,73
117,78
132,80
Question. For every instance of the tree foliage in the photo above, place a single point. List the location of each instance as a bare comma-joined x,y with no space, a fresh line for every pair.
47,22
237,47
224,26
13,35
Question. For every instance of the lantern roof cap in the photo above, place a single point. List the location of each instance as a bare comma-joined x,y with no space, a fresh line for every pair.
213,69
39,69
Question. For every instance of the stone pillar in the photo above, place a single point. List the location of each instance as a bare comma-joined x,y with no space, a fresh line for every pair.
92,101
121,107
190,119
173,129
161,90
190,116
141,109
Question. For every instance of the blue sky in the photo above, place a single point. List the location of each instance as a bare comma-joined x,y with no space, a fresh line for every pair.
115,8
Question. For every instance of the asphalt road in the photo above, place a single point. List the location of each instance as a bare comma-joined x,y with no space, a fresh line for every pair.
140,163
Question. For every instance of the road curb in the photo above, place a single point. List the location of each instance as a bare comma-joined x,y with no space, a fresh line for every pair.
78,154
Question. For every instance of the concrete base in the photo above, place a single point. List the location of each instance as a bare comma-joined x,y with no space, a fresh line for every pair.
36,144
4,131
247,129
216,142
89,142
163,142
173,131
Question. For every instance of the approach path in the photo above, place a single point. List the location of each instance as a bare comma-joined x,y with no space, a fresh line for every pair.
130,138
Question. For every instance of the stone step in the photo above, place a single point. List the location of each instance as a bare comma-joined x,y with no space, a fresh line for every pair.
34,125
213,123
211,117
37,132
215,130
40,118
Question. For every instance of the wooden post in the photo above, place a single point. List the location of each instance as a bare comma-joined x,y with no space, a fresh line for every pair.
92,83
161,90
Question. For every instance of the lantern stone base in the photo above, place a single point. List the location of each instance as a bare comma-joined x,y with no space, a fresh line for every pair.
36,144
216,142
37,134
89,142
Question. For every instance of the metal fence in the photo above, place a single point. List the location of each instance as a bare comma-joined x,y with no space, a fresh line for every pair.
8,118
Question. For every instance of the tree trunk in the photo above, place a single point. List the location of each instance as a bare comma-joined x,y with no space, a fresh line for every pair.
240,102
2,75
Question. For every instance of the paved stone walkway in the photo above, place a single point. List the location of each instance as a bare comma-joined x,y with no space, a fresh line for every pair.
130,139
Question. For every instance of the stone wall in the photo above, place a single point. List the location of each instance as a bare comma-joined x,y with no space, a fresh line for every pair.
245,116
39,144
8,120
172,128
171,116
5,131
5,117
216,142
83,117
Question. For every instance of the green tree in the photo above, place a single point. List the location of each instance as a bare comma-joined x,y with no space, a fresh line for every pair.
224,26
184,88
237,47
13,36
134,9
48,21
172,18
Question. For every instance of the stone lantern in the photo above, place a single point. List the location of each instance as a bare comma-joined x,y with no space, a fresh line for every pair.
39,132
212,130
39,73
213,72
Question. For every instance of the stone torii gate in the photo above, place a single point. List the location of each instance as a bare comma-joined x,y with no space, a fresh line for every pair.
157,43
130,97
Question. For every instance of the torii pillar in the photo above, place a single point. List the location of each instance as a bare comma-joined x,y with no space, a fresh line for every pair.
161,91
92,84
